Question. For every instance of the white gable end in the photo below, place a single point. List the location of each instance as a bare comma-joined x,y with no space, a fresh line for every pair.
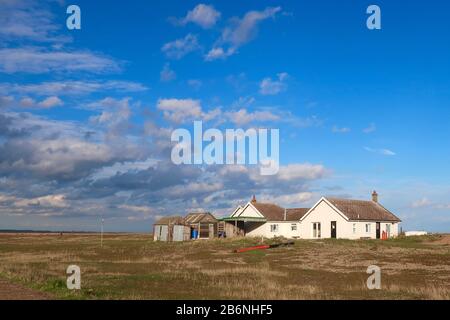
322,204
236,212
249,211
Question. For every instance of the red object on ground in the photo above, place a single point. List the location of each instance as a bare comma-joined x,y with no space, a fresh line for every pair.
252,248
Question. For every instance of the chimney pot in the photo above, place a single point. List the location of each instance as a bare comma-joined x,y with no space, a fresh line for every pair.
253,199
375,196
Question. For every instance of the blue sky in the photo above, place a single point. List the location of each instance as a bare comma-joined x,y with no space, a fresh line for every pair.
86,114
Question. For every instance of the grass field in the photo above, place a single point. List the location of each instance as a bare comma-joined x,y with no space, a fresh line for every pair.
132,266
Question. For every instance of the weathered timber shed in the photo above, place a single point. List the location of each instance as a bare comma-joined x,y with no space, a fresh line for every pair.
171,229
203,225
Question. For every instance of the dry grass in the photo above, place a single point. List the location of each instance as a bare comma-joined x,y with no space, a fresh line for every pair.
134,267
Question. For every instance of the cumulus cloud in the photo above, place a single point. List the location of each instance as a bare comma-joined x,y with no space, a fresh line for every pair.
62,158
6,101
27,102
243,117
219,53
64,175
114,117
181,110
179,48
239,32
203,15
301,171
268,86
289,200
47,103
167,74
54,149
50,102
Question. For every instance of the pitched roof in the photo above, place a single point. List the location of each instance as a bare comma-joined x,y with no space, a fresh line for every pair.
295,214
197,217
170,220
363,210
272,212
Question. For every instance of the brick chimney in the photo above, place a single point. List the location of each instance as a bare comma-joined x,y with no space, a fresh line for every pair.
375,196
253,199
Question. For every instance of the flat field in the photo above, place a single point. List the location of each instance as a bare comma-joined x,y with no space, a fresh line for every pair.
132,266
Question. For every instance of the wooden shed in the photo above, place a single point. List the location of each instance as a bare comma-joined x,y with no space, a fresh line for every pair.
171,229
203,225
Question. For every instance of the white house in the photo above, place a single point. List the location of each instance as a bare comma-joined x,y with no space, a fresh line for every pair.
328,218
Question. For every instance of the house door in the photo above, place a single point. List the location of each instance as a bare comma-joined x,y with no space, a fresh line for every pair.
333,229
378,230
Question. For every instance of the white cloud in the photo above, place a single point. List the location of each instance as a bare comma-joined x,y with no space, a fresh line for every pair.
177,110
195,83
122,167
27,102
181,47
301,171
55,201
6,101
181,110
219,53
239,32
50,102
109,103
28,20
424,202
47,103
193,188
58,157
72,87
203,15
115,116
384,152
167,74
371,128
273,87
337,129
288,199
39,60
242,116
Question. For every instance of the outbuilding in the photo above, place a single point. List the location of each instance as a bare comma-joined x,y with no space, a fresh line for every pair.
203,225
171,229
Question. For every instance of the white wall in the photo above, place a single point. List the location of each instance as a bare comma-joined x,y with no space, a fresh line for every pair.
284,230
324,214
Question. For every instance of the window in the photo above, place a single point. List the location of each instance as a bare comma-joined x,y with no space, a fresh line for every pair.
316,229
388,230
273,228
354,228
367,227
294,227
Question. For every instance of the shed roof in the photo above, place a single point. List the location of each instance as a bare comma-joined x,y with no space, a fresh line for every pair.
170,220
197,217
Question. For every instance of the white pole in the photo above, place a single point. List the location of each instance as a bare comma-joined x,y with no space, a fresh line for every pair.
101,236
